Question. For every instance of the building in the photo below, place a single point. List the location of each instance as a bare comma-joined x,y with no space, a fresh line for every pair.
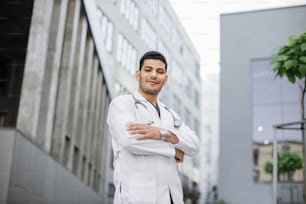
61,63
252,100
210,143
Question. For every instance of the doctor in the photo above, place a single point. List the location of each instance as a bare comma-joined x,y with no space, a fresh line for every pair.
148,140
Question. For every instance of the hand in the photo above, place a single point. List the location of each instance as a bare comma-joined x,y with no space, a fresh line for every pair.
179,156
144,130
172,138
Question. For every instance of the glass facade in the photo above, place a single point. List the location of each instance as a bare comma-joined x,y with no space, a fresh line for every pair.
274,101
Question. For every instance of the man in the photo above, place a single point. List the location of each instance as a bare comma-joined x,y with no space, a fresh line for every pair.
148,140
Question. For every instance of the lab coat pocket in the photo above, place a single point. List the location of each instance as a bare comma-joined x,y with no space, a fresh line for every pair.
142,188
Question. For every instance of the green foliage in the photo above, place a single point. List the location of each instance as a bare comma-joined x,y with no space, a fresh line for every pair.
269,167
220,202
290,60
288,162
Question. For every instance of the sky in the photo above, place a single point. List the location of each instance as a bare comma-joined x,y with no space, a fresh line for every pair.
200,18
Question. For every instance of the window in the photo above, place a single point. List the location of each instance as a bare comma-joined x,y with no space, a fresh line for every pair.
176,73
165,51
107,28
176,104
274,101
165,19
285,148
177,40
196,98
197,71
148,34
130,12
187,117
196,127
126,54
255,156
190,60
152,5
188,88
163,96
188,56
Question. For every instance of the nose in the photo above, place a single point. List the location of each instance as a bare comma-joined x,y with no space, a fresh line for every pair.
154,74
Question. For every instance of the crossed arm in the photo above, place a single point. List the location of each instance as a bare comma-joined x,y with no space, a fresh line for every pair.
150,132
147,137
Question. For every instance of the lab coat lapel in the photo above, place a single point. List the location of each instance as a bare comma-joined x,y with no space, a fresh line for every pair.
148,114
166,118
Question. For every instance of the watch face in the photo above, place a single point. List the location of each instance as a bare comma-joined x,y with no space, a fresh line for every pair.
163,133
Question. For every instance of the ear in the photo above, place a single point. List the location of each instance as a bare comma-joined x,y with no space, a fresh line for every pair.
137,75
166,80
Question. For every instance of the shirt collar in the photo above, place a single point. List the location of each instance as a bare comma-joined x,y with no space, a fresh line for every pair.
140,97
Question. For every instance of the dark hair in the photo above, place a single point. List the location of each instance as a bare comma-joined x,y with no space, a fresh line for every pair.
152,55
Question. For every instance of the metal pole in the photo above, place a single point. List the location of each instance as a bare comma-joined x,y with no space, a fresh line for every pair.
304,152
274,187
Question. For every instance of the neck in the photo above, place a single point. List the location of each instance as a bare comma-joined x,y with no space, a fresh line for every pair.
152,98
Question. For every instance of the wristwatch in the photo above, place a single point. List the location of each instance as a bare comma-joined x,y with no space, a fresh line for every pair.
163,133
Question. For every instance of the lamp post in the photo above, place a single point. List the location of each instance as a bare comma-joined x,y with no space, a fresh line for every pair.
274,187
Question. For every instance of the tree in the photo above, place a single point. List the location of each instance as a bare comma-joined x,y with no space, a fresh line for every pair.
287,163
290,61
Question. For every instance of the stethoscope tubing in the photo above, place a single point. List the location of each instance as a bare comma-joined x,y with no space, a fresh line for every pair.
176,122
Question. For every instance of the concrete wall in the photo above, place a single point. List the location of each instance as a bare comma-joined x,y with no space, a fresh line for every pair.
7,140
246,36
29,175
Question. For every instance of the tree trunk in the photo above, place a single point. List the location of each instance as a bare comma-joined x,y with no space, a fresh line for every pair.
290,178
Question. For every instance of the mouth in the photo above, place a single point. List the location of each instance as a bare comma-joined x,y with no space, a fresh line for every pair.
152,82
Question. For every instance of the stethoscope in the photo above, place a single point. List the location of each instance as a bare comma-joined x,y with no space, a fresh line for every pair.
176,122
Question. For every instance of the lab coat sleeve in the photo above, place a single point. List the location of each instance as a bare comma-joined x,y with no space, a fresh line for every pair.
188,140
122,112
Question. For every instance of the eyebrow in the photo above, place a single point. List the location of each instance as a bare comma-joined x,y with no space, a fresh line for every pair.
147,66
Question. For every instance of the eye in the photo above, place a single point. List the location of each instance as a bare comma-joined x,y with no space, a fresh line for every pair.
161,71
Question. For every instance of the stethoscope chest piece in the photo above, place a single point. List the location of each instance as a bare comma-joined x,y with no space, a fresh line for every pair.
177,123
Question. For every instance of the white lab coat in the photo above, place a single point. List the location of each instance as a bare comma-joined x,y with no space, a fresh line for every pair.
145,172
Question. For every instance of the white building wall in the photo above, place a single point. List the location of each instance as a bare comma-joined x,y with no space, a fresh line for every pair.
210,138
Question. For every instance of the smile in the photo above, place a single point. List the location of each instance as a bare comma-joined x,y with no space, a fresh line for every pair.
153,82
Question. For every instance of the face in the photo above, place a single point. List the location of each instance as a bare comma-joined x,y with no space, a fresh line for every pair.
152,76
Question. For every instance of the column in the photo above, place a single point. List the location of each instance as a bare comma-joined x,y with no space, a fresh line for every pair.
50,82
28,115
60,139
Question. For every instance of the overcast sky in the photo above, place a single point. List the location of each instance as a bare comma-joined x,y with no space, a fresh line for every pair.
201,21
